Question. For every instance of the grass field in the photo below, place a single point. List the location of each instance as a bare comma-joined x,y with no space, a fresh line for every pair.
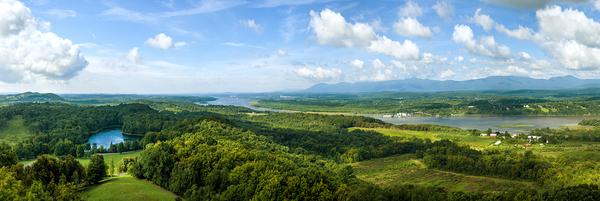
15,131
116,157
127,188
459,137
407,169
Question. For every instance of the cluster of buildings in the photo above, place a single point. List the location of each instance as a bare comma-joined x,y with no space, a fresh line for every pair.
397,115
530,138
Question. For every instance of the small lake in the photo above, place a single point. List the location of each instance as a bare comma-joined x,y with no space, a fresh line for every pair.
501,123
105,138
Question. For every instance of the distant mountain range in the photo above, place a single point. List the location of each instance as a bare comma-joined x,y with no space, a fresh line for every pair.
483,84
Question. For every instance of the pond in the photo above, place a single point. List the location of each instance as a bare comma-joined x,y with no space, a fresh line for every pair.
499,123
105,138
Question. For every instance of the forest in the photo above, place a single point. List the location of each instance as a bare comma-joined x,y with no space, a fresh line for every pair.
522,103
231,153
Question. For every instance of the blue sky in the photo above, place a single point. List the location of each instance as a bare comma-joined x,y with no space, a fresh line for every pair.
208,46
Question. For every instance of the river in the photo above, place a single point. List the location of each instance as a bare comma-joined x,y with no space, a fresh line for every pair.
502,123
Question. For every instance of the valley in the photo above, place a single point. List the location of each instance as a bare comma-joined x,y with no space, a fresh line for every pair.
292,150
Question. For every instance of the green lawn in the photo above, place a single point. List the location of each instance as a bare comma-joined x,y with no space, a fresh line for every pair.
407,169
127,188
15,131
116,157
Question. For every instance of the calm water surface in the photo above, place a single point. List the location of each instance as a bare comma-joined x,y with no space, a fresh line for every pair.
502,123
105,138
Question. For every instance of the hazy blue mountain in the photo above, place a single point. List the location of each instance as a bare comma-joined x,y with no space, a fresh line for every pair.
488,83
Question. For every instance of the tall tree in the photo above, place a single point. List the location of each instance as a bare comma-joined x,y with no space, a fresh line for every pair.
96,169
7,156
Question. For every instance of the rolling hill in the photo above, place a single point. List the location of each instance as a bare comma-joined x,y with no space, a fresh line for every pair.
483,84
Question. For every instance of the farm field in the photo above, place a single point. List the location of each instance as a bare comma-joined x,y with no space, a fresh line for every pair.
462,137
127,188
408,169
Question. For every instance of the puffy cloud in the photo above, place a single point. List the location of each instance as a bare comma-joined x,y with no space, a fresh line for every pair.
487,23
568,24
29,51
570,36
319,74
410,9
574,55
524,56
521,32
331,28
427,57
459,58
134,56
411,27
530,3
597,4
485,46
381,71
483,20
251,24
406,50
447,74
444,9
161,41
357,63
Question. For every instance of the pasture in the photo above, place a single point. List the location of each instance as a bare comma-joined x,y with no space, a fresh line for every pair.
408,169
127,188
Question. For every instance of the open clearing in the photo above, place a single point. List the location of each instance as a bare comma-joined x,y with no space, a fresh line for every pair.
15,131
127,188
407,169
116,157
459,137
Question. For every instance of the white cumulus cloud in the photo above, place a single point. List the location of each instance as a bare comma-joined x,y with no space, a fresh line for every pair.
410,9
28,50
331,28
251,24
570,36
319,74
485,46
530,3
406,50
444,9
411,27
161,41
483,20
521,32
357,63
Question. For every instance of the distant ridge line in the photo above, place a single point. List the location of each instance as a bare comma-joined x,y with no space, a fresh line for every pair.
482,84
